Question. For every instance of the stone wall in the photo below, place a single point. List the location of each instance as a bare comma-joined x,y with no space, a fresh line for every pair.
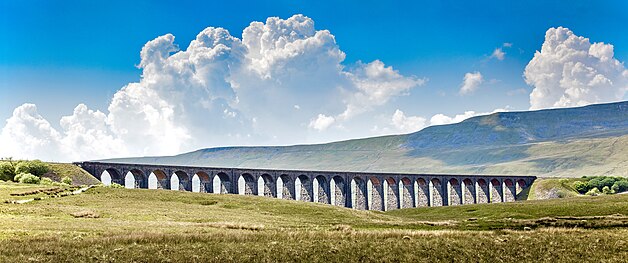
468,191
407,198
437,193
455,193
423,193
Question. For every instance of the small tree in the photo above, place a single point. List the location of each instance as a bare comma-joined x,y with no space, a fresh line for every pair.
66,180
46,181
27,178
582,187
593,192
7,171
620,186
35,167
606,190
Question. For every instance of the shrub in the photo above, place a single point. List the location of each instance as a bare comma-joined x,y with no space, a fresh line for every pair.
27,178
46,181
582,187
620,186
35,167
593,192
66,180
7,171
606,190
114,185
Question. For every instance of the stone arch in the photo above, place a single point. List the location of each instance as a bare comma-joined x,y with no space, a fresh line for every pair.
468,191
111,175
158,179
496,191
285,187
337,193
221,183
134,179
455,193
423,192
407,196
320,188
180,180
520,186
376,195
509,191
482,192
266,186
201,182
247,185
358,194
391,194
437,192
303,188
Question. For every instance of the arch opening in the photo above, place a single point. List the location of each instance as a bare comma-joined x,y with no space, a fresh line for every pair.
337,191
391,194
247,185
133,179
437,193
110,175
468,191
266,186
180,181
302,188
157,180
455,193
321,190
221,183
423,192
376,200
200,182
285,187
496,191
358,194
407,193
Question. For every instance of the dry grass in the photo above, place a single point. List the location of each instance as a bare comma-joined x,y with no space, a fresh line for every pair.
121,225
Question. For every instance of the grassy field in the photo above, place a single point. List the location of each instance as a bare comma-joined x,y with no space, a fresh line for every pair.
122,225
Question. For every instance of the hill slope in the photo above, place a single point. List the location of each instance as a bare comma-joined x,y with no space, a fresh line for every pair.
591,140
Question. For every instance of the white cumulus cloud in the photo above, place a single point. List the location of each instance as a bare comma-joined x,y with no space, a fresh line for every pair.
570,71
321,122
404,123
220,90
471,82
498,53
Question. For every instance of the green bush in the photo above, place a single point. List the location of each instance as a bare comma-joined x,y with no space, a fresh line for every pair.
7,171
35,167
46,181
593,192
114,185
27,178
582,187
66,180
620,186
607,190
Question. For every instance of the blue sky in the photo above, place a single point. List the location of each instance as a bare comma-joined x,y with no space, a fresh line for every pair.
57,54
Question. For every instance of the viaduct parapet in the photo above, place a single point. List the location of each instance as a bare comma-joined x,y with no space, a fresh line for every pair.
358,190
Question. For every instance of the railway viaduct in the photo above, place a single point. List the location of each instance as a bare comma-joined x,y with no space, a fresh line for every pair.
358,190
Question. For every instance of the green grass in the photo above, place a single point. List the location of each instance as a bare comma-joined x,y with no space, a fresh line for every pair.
161,225
547,188
78,175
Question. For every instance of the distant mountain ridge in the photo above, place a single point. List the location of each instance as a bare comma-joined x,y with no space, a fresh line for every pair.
589,140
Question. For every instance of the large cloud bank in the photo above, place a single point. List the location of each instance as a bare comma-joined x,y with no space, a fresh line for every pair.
220,90
570,71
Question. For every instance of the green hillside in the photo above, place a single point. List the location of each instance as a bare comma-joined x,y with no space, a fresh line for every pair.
135,225
571,142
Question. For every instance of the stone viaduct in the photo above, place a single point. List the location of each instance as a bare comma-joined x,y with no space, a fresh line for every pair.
358,190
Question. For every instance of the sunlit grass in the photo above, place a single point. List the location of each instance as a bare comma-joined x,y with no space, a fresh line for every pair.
162,225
